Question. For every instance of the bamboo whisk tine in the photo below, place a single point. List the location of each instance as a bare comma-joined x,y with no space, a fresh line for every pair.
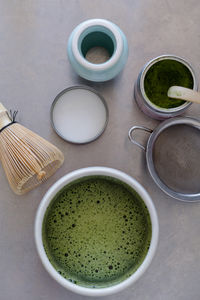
27,158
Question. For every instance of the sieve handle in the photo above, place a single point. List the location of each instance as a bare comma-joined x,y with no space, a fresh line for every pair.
130,135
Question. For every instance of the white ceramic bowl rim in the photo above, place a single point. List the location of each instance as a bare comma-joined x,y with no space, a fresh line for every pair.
90,171
118,44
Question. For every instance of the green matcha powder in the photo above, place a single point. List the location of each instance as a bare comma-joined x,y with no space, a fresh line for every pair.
96,232
161,76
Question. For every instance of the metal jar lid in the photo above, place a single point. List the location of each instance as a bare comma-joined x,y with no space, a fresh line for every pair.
79,114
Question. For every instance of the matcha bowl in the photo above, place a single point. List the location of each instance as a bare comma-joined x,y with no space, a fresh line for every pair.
153,82
96,231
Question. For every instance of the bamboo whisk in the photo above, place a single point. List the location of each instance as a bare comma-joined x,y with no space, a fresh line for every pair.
27,158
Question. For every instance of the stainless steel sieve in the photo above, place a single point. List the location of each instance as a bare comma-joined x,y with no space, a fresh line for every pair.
173,156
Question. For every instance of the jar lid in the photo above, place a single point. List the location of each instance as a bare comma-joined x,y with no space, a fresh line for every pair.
79,114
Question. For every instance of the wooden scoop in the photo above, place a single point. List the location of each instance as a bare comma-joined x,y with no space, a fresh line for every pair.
179,92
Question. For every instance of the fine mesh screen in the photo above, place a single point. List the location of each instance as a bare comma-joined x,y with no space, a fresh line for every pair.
176,157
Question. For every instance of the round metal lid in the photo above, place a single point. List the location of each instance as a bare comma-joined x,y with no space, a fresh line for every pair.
79,114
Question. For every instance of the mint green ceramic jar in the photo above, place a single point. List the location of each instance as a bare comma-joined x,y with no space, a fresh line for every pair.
97,33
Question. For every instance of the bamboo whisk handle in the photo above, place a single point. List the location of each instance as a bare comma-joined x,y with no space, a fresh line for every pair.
5,119
27,158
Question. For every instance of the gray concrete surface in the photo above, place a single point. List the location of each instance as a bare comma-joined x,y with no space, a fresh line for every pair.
34,68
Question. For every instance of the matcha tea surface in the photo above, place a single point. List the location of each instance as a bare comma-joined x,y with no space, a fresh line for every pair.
161,76
96,231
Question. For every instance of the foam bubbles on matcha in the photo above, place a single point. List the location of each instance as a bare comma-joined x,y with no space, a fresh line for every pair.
96,231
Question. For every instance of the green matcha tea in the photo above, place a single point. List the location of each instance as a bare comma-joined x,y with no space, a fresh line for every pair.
96,231
161,76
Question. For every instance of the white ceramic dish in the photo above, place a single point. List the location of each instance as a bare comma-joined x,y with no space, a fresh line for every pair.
92,171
